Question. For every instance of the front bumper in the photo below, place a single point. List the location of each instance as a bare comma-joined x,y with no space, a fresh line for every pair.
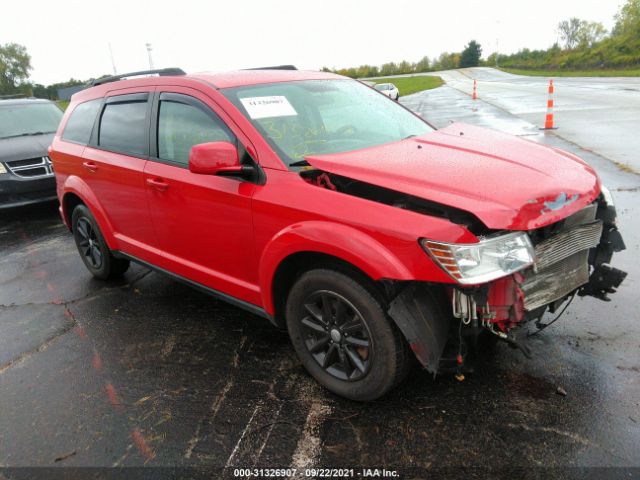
572,258
17,192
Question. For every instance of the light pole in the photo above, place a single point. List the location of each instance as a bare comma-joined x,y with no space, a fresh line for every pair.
113,62
148,45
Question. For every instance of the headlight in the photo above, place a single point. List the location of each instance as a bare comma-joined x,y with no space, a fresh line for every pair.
2,169
606,193
481,262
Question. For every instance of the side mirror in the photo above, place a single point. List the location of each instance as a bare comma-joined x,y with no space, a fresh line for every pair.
215,158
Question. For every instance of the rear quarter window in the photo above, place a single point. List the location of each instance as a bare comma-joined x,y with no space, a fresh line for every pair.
123,127
80,124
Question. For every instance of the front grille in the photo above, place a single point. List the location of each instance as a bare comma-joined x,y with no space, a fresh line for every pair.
562,260
31,167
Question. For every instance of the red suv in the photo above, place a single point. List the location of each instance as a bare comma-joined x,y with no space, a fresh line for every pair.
322,205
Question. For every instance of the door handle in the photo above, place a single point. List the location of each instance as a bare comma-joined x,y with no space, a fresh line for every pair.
157,184
92,167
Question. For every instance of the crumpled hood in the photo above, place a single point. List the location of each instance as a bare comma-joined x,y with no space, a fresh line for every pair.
507,182
22,148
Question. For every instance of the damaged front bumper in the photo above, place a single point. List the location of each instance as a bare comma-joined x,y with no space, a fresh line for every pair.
572,257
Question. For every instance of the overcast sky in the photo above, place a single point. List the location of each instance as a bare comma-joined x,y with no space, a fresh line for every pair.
72,38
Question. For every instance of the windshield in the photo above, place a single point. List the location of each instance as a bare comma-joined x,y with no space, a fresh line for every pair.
28,119
323,116
382,86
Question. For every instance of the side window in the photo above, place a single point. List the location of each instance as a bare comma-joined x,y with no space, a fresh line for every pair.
80,124
123,127
183,125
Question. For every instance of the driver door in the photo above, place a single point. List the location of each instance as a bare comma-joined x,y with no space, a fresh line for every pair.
203,222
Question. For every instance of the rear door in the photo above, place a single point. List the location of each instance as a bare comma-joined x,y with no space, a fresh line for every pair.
114,164
203,222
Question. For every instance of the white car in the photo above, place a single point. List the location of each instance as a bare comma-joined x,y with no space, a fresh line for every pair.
388,89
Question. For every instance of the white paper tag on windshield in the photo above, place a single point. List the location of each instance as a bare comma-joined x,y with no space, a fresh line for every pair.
266,107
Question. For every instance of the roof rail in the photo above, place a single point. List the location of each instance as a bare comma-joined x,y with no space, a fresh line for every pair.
163,72
277,67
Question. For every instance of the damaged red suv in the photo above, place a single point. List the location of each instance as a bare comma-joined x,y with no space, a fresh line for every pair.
316,202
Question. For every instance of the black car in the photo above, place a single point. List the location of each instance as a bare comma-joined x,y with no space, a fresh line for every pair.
27,126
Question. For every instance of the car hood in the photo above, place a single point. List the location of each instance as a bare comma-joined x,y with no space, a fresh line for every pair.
506,181
21,148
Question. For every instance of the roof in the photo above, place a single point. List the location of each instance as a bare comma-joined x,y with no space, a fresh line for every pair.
241,78
237,78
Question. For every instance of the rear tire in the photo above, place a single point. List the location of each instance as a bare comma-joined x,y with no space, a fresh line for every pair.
92,248
343,337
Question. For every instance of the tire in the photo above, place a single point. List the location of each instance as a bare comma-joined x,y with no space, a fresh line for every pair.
358,353
92,248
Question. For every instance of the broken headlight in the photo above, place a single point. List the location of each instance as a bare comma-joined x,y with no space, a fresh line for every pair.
490,258
2,169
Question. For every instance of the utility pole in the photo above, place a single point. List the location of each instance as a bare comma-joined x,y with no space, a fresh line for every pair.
148,45
113,62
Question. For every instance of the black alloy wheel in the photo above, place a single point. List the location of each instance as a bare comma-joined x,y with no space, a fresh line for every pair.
339,328
337,336
92,247
88,243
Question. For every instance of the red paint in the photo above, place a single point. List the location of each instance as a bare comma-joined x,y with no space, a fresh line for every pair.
80,331
141,445
232,235
50,287
96,362
112,395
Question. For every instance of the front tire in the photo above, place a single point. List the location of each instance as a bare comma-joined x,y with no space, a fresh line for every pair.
343,337
92,248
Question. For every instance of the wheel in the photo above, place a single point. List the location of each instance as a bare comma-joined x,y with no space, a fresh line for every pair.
92,248
343,337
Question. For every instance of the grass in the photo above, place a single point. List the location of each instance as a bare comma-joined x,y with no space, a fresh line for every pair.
409,85
63,104
574,73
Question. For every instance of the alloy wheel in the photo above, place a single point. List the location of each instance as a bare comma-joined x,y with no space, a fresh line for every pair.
337,336
88,243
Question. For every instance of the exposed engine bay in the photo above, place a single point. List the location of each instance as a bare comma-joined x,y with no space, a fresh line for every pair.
572,258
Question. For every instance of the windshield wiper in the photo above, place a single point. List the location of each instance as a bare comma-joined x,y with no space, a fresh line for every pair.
300,163
409,136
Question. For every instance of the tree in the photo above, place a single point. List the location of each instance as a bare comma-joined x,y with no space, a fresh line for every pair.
424,65
388,69
590,33
405,67
447,61
628,19
569,30
470,56
15,64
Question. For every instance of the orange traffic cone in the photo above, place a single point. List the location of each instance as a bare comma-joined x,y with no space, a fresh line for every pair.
548,122
475,90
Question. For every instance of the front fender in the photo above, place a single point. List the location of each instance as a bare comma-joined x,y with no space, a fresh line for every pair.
75,185
344,242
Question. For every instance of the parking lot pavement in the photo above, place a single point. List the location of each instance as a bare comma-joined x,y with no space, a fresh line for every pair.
146,371
601,114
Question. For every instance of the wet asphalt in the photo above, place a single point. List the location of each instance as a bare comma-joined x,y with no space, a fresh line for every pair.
148,372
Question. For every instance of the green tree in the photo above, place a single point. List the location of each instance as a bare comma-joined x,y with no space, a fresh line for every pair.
568,30
424,65
389,69
590,33
15,64
470,56
628,19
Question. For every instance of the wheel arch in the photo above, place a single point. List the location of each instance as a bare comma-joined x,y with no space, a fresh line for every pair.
77,192
302,247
